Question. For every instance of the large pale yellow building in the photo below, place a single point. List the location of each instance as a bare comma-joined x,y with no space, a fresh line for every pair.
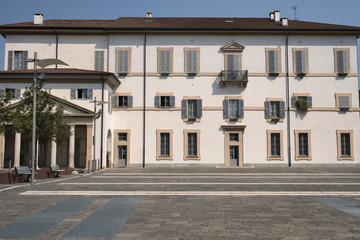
186,91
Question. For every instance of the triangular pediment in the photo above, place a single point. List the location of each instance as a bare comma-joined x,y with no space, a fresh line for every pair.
70,109
232,47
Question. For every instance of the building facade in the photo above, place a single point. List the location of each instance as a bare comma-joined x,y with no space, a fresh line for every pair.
194,91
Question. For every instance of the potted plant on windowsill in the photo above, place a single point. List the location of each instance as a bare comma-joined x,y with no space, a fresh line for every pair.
275,119
301,74
273,74
342,74
302,106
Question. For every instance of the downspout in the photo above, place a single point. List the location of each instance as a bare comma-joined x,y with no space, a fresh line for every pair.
108,54
288,96
144,99
102,122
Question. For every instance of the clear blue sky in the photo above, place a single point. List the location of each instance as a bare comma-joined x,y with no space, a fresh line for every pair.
345,12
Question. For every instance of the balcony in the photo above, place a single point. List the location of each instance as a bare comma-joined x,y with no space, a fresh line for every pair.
234,77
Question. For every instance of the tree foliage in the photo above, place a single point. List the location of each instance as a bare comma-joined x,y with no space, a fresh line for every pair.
5,113
50,124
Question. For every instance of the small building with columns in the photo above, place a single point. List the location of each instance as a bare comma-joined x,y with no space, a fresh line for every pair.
77,151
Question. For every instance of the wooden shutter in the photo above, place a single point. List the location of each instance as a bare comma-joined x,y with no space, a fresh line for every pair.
157,101
300,61
233,62
267,109
25,57
73,93
99,61
241,108
114,101
130,101
164,61
172,101
17,93
90,94
123,61
282,109
199,108
183,109
10,60
293,101
271,60
344,102
309,99
226,109
342,63
192,61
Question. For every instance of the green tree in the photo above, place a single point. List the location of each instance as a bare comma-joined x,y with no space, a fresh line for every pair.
5,113
50,123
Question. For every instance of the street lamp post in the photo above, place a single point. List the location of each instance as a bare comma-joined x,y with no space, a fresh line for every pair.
41,63
97,115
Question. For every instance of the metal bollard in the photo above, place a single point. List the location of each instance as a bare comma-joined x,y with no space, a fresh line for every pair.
93,165
88,166
10,166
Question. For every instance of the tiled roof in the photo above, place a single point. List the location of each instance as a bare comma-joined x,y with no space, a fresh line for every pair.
181,24
57,71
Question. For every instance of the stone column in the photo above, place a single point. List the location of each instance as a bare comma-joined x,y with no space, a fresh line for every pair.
72,146
53,153
89,142
17,148
2,150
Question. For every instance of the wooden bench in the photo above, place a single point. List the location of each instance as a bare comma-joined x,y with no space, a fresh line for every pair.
55,170
23,171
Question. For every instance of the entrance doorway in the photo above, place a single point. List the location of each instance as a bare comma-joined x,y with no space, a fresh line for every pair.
233,145
122,156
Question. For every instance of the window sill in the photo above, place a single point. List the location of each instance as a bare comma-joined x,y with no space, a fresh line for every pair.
275,158
275,120
166,158
192,158
233,120
342,74
273,74
191,119
306,158
345,158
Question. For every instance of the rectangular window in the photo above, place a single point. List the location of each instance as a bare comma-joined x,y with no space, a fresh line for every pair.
343,101
191,109
303,144
17,60
232,62
123,101
164,144
99,61
122,137
233,109
342,61
301,97
165,62
234,137
275,109
165,101
345,144
273,60
192,106
192,144
300,61
82,93
12,92
192,61
275,144
123,61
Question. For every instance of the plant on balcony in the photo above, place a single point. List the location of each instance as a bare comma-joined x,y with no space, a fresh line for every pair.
302,106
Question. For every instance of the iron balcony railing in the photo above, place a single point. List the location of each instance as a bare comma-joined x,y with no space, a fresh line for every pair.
234,76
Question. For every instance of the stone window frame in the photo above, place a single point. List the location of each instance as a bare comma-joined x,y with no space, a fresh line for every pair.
297,155
169,94
117,49
338,136
158,144
186,98
276,100
115,100
197,49
267,50
239,98
294,50
269,156
337,95
335,59
186,156
171,49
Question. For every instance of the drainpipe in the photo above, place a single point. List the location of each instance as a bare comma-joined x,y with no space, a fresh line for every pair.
288,96
57,46
102,123
144,99
108,54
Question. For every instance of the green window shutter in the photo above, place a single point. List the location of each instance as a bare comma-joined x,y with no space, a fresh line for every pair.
276,61
164,61
282,109
99,61
344,102
73,93
342,65
309,99
300,61
267,109
199,108
241,108
183,109
192,61
17,93
157,101
272,61
10,60
90,94
293,101
172,101
114,101
25,63
130,101
226,109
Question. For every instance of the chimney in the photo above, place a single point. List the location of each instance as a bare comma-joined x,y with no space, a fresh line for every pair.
149,14
284,22
272,16
38,19
277,16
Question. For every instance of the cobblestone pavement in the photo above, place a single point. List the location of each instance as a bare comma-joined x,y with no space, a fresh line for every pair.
204,203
